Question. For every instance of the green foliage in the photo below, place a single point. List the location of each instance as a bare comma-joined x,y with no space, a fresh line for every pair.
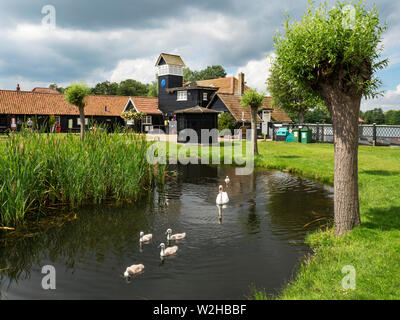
373,116
392,117
132,115
153,89
132,87
105,88
38,170
76,94
315,115
321,48
251,98
52,120
127,87
211,72
59,89
226,121
294,100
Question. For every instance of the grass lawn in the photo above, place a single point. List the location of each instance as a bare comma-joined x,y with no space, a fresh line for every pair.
373,249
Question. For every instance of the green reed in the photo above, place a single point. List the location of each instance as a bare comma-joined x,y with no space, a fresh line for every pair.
39,170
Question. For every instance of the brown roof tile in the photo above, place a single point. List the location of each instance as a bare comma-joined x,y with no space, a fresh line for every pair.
146,105
229,85
232,102
30,103
45,90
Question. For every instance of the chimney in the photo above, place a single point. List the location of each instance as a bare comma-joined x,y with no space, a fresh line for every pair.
18,88
241,83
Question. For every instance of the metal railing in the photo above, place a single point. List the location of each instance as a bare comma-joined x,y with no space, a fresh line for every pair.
369,134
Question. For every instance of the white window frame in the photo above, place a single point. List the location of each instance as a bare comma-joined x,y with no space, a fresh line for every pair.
181,95
205,96
147,120
166,69
78,122
266,116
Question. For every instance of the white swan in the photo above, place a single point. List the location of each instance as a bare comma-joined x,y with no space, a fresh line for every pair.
222,197
145,238
173,237
167,251
227,180
133,270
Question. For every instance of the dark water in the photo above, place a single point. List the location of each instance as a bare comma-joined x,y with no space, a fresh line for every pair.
259,241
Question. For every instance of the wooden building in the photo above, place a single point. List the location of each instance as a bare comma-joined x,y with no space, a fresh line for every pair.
227,99
16,107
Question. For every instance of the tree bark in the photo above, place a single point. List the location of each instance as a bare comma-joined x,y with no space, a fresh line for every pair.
254,129
301,117
82,118
345,111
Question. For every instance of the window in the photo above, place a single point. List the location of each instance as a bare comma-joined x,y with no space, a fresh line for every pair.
182,96
205,96
146,120
266,116
79,121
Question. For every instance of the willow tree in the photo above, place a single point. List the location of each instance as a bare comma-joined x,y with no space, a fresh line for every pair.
254,100
334,53
293,99
76,95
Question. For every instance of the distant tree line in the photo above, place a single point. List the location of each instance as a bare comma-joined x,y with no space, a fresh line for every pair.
391,117
131,87
127,87
377,115
211,72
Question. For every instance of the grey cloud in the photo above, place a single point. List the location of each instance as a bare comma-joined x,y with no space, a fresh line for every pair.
146,31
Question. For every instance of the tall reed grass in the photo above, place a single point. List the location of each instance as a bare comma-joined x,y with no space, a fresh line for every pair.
38,170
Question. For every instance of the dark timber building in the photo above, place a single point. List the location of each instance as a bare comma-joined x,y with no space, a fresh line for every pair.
185,103
193,105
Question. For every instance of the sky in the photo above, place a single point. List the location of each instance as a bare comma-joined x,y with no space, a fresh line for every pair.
95,41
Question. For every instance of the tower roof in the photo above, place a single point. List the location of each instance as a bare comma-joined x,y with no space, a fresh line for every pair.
170,59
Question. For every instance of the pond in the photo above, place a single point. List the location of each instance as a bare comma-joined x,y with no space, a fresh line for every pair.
258,239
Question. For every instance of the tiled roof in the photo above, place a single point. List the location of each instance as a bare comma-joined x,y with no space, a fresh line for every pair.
26,102
232,102
277,115
229,85
45,90
171,59
146,105
98,105
30,103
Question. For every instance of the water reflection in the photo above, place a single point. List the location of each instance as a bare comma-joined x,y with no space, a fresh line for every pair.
256,238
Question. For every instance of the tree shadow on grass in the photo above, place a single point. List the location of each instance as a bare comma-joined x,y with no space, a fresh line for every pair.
383,219
384,173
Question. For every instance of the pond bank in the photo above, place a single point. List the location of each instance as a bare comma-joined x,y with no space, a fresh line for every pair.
39,171
373,249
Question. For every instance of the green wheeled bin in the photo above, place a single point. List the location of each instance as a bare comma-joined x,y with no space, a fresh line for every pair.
306,135
296,135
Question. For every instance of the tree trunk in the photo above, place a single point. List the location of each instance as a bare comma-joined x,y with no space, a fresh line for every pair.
254,129
345,114
82,118
301,117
